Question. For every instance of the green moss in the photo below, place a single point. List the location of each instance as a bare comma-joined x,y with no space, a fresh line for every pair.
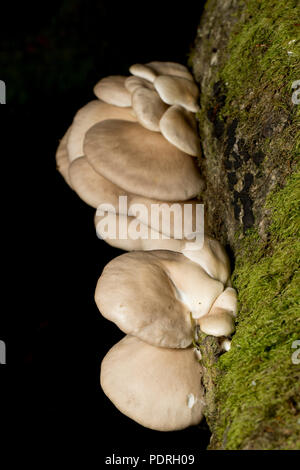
258,388
264,49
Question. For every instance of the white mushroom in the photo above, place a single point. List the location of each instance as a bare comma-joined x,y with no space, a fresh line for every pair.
220,319
62,158
132,83
112,90
179,127
156,293
148,108
93,112
177,90
158,388
141,161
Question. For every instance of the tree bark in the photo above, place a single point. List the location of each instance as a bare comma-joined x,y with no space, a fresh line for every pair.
246,60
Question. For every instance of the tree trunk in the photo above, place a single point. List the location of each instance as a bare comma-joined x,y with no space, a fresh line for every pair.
245,60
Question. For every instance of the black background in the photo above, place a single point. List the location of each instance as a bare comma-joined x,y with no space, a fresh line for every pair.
52,54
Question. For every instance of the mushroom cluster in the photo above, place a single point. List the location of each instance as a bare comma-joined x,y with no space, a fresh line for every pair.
139,140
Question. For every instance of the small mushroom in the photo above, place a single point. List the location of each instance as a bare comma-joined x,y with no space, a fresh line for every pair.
148,108
62,158
93,112
220,319
156,294
151,70
179,127
158,388
132,83
170,68
141,161
142,71
177,90
112,90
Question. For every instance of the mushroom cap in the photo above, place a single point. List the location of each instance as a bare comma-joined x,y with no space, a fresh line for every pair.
156,293
91,187
153,241
142,71
220,323
158,388
177,90
211,256
151,70
93,112
132,83
62,158
227,301
219,320
148,108
170,68
141,161
179,127
112,90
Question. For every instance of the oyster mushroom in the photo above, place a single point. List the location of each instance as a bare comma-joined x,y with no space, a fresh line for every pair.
158,388
141,161
157,291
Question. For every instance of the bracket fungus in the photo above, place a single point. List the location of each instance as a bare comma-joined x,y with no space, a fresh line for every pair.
138,140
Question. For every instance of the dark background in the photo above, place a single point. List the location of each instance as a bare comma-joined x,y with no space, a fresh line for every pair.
52,54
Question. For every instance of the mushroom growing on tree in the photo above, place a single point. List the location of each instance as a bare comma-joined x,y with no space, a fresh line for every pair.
159,388
138,140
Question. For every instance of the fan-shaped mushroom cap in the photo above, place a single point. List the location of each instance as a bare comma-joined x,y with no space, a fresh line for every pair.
177,90
141,161
94,189
93,112
153,239
158,388
148,108
142,71
62,158
219,321
155,295
211,256
153,69
132,83
179,127
170,68
112,90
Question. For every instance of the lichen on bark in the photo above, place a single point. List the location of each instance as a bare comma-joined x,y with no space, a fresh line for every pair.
245,59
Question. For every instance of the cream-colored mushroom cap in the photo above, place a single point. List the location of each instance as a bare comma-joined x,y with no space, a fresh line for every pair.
93,112
170,68
158,388
148,108
112,90
210,255
177,90
132,83
142,71
152,295
220,319
62,158
141,161
123,238
179,127
151,70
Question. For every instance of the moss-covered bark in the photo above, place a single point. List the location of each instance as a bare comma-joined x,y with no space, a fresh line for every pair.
245,59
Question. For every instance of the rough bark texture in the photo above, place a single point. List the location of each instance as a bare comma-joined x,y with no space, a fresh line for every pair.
245,59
